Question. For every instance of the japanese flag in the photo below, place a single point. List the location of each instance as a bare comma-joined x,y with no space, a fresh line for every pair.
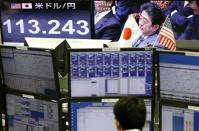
130,32
26,5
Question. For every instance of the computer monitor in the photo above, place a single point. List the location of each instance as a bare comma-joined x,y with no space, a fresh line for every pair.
30,70
179,75
47,19
98,116
179,117
109,73
28,114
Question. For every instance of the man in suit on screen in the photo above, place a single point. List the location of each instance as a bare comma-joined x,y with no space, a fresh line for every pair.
192,29
107,25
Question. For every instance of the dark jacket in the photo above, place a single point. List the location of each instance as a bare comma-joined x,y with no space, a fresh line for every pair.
179,19
192,30
108,28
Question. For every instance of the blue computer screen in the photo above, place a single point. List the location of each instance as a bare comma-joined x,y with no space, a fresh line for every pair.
26,114
111,73
179,75
98,116
29,70
179,119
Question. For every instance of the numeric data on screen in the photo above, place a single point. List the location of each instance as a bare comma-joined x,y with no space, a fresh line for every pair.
111,73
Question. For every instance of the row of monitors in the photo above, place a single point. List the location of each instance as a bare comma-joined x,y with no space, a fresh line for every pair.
30,114
100,73
88,116
92,72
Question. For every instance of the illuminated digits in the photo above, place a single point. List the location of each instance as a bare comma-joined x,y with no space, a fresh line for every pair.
52,25
54,30
35,25
21,25
68,27
8,23
84,26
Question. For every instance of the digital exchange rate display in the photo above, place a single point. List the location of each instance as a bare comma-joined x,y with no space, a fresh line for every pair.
25,114
70,19
29,70
98,116
95,74
179,75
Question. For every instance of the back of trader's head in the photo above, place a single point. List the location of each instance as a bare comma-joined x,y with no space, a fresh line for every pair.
130,113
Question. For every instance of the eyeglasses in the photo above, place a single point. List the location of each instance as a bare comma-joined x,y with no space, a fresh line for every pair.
142,18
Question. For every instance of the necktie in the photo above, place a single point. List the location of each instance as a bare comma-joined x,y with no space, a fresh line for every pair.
139,41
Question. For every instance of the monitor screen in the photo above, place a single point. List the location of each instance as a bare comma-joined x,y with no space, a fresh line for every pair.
29,70
184,20
111,73
179,119
179,75
25,114
49,19
98,116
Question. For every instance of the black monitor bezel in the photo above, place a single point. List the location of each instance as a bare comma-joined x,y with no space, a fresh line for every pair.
158,73
59,105
112,100
172,104
55,70
109,49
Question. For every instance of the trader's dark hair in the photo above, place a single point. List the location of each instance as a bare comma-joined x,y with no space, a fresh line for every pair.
130,112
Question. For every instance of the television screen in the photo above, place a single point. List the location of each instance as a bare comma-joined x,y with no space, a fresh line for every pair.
50,19
183,17
98,116
24,114
29,70
181,118
179,75
97,73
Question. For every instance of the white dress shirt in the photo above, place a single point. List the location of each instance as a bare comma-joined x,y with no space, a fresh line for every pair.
98,15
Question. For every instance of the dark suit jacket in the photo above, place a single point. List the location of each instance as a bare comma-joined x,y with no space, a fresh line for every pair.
192,30
126,7
108,28
179,20
179,6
